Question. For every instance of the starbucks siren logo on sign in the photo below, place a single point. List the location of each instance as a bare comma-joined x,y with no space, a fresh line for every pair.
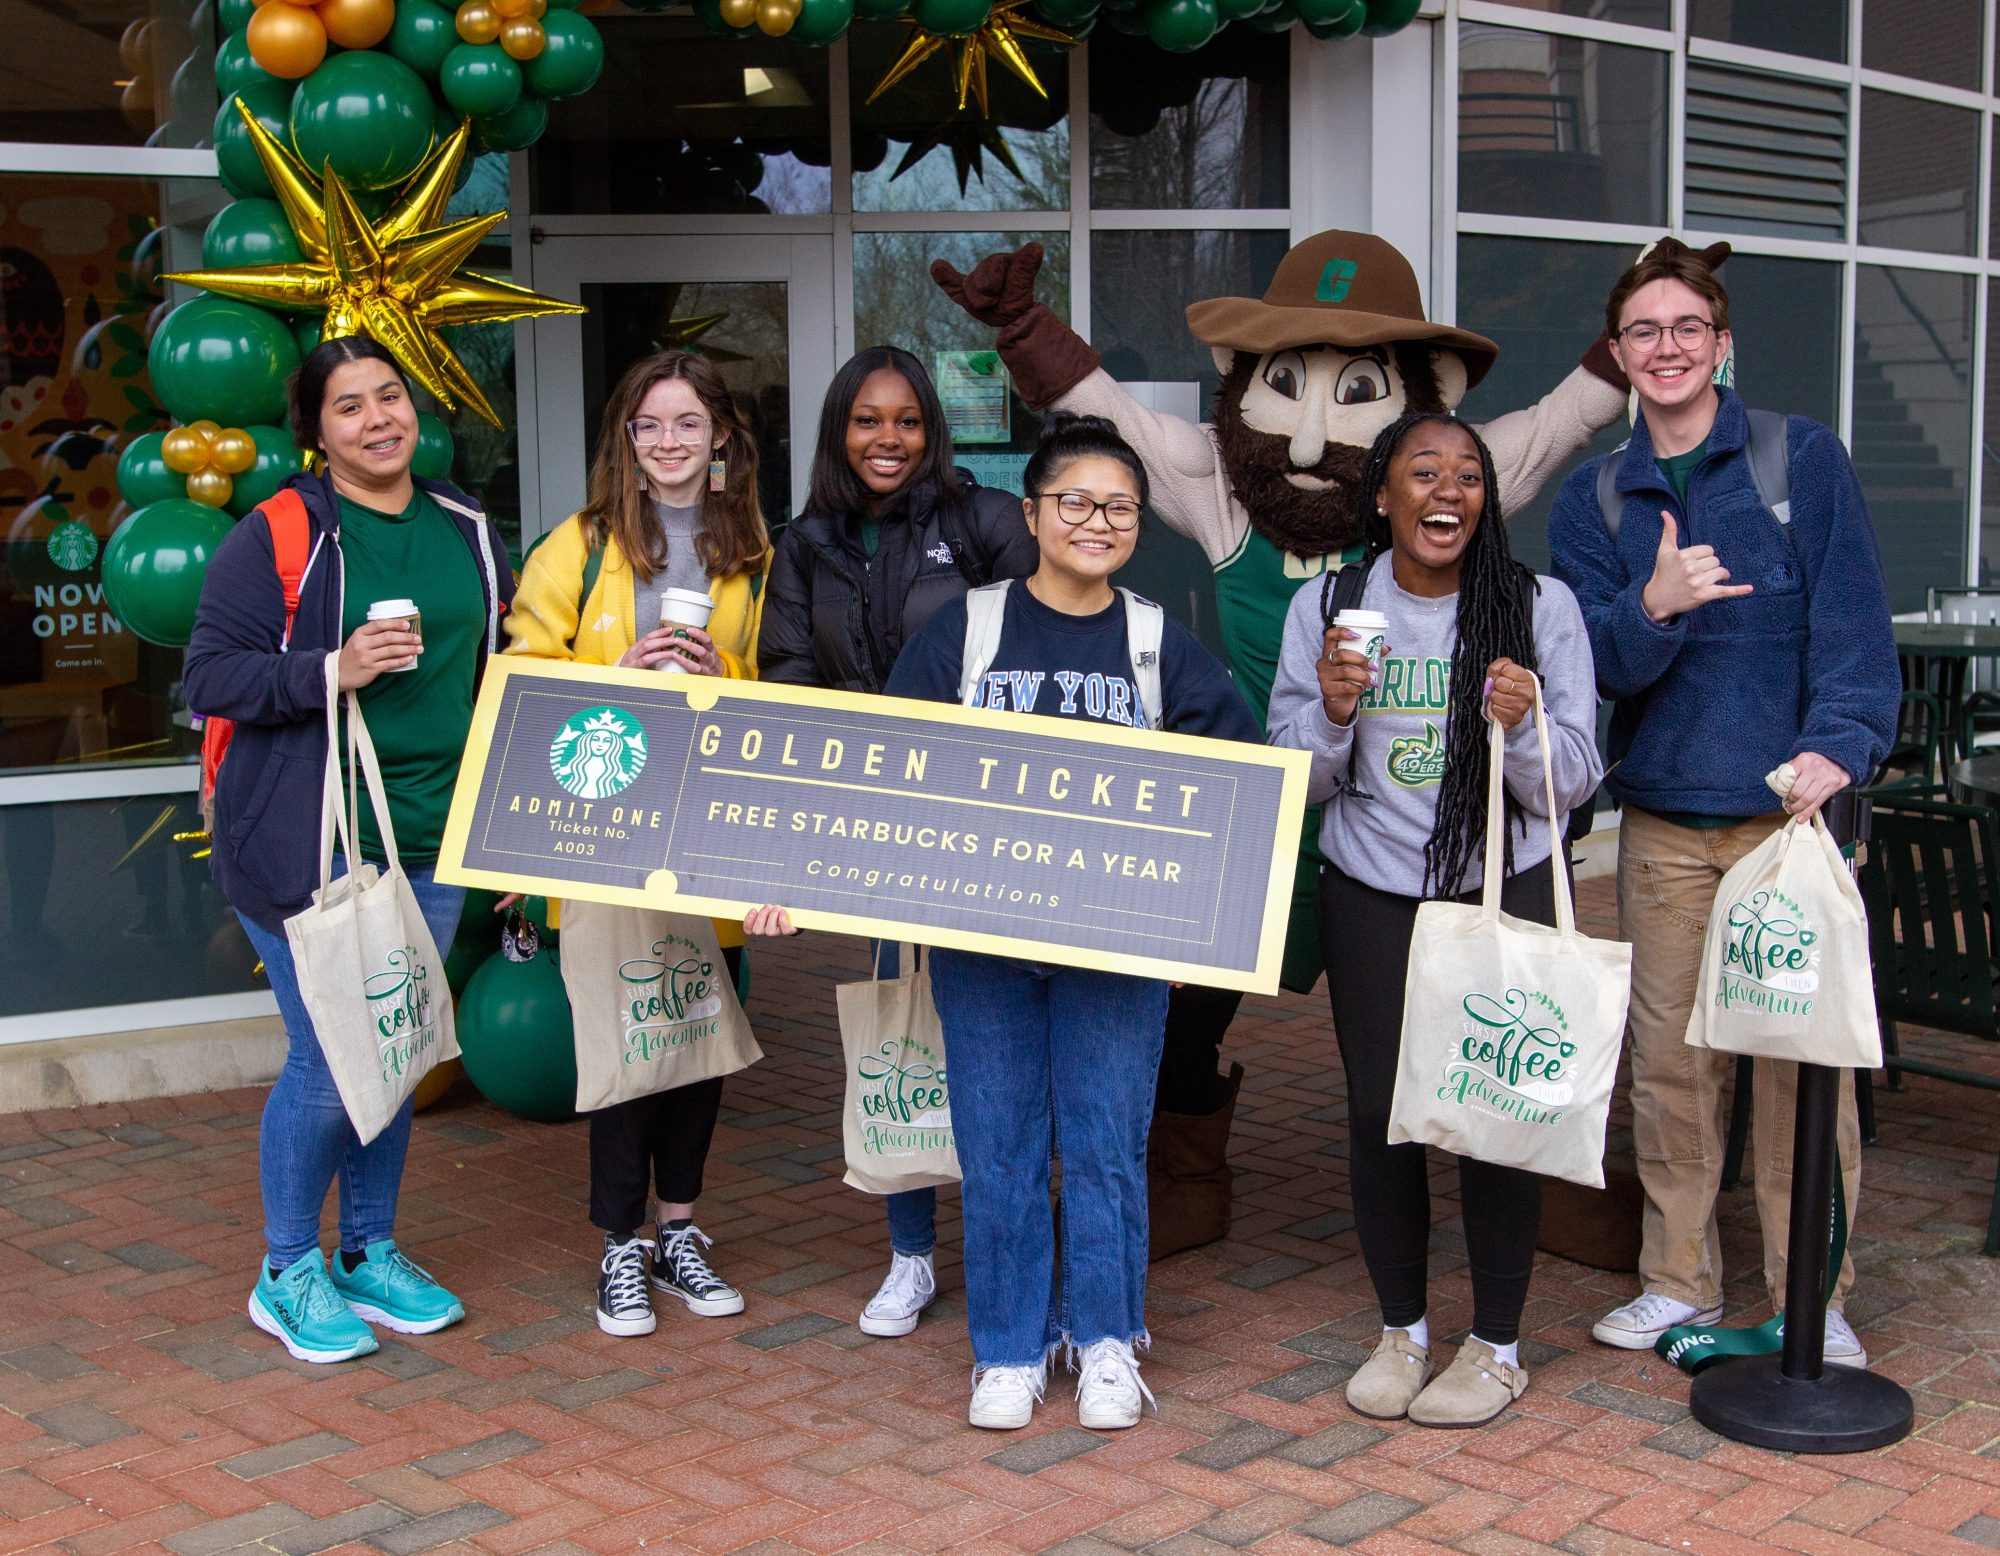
667,1000
1511,1058
1770,959
598,752
399,1003
72,545
903,1098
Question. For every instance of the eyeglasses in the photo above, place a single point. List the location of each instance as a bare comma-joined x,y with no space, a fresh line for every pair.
1645,335
688,431
1074,508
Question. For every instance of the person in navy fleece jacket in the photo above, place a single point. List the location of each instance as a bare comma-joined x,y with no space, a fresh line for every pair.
1730,641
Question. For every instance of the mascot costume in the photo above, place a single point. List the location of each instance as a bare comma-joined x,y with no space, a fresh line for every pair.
1337,348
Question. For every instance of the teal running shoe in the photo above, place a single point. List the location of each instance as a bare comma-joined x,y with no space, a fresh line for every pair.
387,1289
300,1307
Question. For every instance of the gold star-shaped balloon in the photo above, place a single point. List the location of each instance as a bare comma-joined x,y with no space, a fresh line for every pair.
999,37
396,279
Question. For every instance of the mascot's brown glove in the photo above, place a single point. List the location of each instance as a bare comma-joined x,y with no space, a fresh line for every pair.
1046,356
1599,361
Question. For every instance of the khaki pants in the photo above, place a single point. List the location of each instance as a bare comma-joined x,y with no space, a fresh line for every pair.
1667,880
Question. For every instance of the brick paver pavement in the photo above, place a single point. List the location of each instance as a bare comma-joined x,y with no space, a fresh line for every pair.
140,1411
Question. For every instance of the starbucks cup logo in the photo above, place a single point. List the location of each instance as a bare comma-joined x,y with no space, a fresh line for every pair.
1371,635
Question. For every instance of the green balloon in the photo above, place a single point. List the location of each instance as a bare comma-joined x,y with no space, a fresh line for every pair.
880,10
1387,16
305,333
518,1039
951,18
709,14
571,5
1131,22
144,476
1328,13
819,22
249,232
1070,13
153,567
235,156
516,129
435,449
424,32
234,67
368,114
224,360
1276,19
478,79
1344,25
572,57
1181,26
232,16
1238,10
277,459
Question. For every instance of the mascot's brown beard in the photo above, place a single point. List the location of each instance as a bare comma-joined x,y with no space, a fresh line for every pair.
1305,523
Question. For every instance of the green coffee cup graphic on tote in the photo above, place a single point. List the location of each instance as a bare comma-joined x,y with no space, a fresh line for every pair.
598,752
669,999
399,1002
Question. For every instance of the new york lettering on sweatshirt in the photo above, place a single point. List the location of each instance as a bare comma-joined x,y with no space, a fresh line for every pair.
1074,667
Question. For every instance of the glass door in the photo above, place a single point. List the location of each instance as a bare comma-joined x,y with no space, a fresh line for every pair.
761,309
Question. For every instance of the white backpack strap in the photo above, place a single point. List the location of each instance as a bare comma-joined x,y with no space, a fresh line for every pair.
985,611
1145,630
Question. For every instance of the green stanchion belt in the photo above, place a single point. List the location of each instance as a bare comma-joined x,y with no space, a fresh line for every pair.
1692,1347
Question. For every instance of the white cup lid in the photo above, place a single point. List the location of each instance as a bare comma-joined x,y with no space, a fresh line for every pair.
689,596
386,610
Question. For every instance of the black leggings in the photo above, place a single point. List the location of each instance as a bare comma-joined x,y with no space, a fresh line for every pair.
1366,933
657,1143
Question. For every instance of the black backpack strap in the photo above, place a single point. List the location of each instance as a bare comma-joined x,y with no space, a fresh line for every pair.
1341,591
1609,503
1770,462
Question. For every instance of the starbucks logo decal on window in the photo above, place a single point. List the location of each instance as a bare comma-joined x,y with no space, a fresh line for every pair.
598,752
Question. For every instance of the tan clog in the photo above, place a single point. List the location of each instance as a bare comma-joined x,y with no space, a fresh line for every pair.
1383,1386
1474,1389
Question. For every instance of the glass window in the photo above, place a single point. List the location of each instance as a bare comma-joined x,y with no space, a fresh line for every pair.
107,73
1919,173
1785,317
1912,432
80,260
1765,152
743,130
1542,303
1932,40
1561,127
1989,449
100,906
1203,131
1634,13
913,151
1816,29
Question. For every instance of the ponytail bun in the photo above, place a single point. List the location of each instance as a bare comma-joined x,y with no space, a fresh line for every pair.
1065,437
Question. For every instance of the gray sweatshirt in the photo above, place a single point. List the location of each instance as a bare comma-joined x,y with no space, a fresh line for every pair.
683,569
1377,835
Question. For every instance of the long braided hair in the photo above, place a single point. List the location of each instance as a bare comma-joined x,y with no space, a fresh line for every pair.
1495,621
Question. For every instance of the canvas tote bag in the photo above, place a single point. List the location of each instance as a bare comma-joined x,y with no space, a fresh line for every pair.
1785,971
653,1002
369,972
897,1116
1511,1029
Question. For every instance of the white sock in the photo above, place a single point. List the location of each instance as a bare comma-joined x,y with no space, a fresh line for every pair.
1509,1353
1419,1333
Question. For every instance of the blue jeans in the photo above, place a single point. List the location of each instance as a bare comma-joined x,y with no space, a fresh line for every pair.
912,1213
306,1139
1047,1061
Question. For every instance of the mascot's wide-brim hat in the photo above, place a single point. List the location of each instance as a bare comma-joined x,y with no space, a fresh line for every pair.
1335,289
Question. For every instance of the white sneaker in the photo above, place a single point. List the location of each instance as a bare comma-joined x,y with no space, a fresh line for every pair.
1004,1398
908,1288
1108,1387
1636,1325
1843,1345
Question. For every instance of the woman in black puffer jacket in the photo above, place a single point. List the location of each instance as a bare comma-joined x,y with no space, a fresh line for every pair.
891,531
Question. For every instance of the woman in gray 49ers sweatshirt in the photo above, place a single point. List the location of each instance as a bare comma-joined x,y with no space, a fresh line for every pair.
1400,758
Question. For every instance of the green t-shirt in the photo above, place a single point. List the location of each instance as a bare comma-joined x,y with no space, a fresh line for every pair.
870,532
1678,467
418,717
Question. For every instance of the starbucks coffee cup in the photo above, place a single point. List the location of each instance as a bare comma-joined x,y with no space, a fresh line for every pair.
681,609
1371,635
404,611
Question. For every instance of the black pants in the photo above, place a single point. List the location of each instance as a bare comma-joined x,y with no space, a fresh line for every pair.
1365,934
1197,1018
657,1143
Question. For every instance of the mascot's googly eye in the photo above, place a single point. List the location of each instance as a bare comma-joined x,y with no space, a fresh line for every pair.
1362,382
1286,373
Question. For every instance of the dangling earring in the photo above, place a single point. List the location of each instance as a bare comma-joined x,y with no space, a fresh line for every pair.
718,475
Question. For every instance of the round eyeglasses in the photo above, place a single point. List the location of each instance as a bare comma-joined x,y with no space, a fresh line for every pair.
1075,508
688,431
1645,335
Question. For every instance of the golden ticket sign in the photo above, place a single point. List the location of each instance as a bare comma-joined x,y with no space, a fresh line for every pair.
1051,839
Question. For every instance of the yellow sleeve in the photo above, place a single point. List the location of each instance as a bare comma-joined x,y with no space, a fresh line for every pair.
543,620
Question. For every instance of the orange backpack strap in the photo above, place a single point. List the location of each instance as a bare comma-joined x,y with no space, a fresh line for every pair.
291,548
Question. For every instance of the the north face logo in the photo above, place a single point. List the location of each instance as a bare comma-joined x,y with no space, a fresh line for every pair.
940,554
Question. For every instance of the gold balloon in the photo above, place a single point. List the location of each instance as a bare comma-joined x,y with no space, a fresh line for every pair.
210,486
523,38
132,44
775,17
357,24
478,22
538,8
738,13
184,451
232,451
206,430
511,8
287,40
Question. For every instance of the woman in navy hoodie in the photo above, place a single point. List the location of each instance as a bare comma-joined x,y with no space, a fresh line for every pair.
374,532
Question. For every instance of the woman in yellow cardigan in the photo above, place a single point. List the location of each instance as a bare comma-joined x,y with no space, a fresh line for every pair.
672,505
